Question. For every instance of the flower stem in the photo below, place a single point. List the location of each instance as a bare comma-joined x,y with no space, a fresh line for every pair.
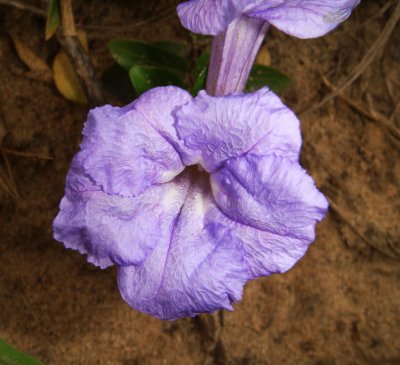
233,54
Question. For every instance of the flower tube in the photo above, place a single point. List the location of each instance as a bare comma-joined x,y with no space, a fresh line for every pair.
239,27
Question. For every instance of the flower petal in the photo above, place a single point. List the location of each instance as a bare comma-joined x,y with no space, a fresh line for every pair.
157,106
123,153
304,18
210,16
200,268
269,193
112,229
219,128
266,253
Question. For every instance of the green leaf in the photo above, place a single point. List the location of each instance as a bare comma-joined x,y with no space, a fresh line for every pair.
202,62
176,48
201,70
11,356
200,82
128,53
116,81
261,76
53,19
146,77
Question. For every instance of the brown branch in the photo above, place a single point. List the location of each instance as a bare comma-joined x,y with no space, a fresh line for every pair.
23,6
78,55
378,45
67,19
84,68
210,330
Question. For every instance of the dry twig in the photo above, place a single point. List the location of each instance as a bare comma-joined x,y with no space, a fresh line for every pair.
210,329
25,154
338,210
369,112
111,30
371,19
342,216
7,181
6,185
84,68
23,6
378,45
78,55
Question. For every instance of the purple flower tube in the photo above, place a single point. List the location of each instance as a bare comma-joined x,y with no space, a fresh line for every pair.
239,26
233,54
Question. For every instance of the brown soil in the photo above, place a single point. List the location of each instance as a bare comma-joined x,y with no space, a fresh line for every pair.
339,305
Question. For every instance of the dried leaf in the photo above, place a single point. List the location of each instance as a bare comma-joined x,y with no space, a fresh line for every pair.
263,56
30,59
83,39
65,77
66,80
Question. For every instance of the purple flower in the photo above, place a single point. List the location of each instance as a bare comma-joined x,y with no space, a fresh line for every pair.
186,239
299,18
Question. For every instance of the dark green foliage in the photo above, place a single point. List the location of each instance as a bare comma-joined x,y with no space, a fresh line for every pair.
261,76
11,356
148,65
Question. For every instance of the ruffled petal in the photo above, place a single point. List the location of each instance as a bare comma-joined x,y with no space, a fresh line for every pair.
112,229
269,193
210,17
158,107
200,268
266,253
123,152
219,128
303,18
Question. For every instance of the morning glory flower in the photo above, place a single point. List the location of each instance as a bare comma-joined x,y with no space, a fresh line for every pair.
239,27
190,197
